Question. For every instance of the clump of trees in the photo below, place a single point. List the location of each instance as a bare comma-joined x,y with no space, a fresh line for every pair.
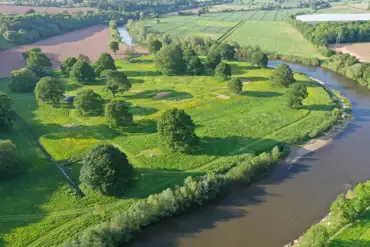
223,71
117,113
26,53
252,54
104,62
283,75
235,85
296,94
89,103
170,60
113,31
194,65
7,115
82,71
107,169
10,162
116,81
23,80
177,129
49,90
37,61
213,57
67,65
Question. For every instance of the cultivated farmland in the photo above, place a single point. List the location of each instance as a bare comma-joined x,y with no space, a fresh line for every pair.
13,9
44,209
359,50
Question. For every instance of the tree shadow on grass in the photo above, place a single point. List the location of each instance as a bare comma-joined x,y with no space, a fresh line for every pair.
136,81
143,111
348,243
238,69
262,94
317,107
141,73
161,94
253,78
73,86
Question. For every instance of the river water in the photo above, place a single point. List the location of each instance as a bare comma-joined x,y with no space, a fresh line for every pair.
125,35
280,208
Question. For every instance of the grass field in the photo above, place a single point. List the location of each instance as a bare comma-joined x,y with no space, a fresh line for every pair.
40,209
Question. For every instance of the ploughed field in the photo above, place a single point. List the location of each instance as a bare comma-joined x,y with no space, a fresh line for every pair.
13,9
359,50
40,209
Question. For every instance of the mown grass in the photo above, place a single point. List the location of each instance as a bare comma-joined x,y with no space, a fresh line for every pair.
40,209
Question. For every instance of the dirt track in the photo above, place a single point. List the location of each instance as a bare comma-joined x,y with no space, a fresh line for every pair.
90,41
13,9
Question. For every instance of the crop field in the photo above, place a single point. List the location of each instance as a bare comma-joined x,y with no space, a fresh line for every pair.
44,210
341,10
357,234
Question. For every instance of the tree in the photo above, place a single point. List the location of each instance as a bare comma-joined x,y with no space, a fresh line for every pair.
213,57
82,71
227,51
297,94
89,103
116,81
10,162
154,46
235,85
6,113
25,54
170,61
177,129
259,58
23,80
104,62
344,208
194,65
117,113
106,168
49,90
67,65
30,11
316,236
114,46
223,70
38,62
283,75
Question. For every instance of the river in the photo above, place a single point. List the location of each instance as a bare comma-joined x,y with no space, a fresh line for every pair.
125,35
280,208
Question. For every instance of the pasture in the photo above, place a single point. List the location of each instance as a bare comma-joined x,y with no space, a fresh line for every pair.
45,211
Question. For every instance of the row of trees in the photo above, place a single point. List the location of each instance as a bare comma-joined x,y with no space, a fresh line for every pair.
27,28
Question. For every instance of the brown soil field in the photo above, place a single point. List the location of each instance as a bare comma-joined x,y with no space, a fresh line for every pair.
13,9
359,50
90,41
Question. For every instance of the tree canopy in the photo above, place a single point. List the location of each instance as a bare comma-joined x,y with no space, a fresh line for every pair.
259,58
106,168
23,80
154,46
114,46
235,85
227,51
49,90
213,57
6,113
296,94
169,60
223,70
82,71
10,162
38,62
116,81
26,53
89,103
117,113
194,65
282,75
177,129
104,62
67,65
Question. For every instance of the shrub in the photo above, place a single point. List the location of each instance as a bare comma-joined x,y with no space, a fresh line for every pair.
89,103
23,80
117,113
10,162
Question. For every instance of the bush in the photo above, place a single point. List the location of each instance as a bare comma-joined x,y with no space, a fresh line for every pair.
106,168
89,103
235,85
117,113
23,80
316,236
49,90
10,162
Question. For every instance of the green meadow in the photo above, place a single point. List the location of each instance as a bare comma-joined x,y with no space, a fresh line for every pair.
39,208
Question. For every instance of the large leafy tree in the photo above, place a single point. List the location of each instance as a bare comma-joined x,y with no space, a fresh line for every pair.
177,129
282,75
117,113
38,62
67,65
213,57
10,162
116,81
154,46
227,51
170,61
25,54
194,65
82,71
114,46
89,103
223,70
235,85
49,90
104,62
297,94
6,113
106,168
23,80
259,58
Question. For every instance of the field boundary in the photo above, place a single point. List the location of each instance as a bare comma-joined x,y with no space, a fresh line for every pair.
233,29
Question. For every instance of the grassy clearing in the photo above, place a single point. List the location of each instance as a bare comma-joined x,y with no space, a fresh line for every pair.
44,209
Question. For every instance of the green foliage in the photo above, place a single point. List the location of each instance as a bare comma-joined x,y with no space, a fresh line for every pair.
114,46
227,51
344,208
23,80
38,62
170,61
296,94
213,57
116,81
177,129
104,62
235,85
49,90
10,162
117,113
316,236
106,168
154,46
82,71
89,103
26,53
259,58
194,65
223,70
283,76
6,113
67,65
